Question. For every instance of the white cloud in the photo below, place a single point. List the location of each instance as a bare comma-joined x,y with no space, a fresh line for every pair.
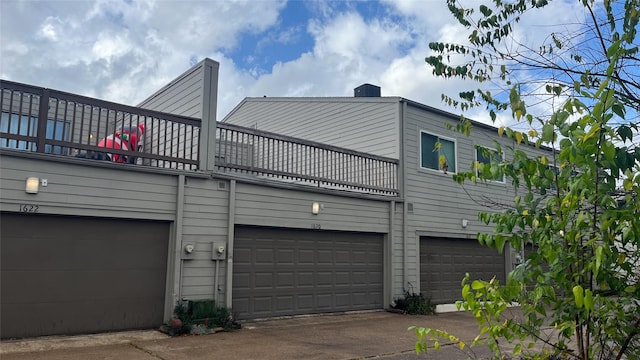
109,46
125,50
49,29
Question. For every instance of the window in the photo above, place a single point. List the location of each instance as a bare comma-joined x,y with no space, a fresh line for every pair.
484,158
28,126
18,125
437,153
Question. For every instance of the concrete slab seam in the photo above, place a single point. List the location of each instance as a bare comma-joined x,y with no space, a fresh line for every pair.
139,347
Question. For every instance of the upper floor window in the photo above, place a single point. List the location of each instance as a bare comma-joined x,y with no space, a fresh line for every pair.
437,153
27,126
484,157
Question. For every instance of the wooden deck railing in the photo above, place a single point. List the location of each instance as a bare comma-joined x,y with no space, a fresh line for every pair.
257,152
54,122
48,121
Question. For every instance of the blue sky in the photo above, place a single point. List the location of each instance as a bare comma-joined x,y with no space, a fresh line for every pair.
124,50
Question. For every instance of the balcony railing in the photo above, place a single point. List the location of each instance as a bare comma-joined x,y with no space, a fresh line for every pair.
48,121
52,122
257,152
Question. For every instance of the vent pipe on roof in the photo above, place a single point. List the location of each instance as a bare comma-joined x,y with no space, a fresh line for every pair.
366,90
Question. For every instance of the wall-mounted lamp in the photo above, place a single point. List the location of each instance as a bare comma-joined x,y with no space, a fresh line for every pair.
465,222
315,208
32,185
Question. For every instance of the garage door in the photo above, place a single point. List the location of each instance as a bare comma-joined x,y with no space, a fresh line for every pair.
70,275
289,272
444,262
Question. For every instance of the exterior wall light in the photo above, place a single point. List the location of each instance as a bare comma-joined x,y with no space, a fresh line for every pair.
465,222
315,208
32,185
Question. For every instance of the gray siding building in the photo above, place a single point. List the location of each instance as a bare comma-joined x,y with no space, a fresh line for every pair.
110,245
291,206
436,240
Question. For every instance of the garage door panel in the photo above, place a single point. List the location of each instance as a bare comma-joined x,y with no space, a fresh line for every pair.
444,262
325,257
325,278
285,256
319,271
306,257
285,280
56,270
284,302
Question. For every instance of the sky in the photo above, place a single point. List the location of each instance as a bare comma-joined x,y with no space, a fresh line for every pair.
125,50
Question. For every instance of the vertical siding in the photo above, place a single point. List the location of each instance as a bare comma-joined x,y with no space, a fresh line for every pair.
205,221
359,124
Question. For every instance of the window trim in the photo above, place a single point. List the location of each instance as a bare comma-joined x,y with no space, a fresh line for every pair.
455,150
475,162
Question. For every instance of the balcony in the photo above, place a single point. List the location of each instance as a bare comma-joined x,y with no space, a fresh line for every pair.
52,122
260,153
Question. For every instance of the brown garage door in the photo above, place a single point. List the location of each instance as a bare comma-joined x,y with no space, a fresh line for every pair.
70,275
288,272
444,262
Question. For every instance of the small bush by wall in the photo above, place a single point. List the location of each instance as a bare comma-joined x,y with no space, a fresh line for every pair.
196,316
415,304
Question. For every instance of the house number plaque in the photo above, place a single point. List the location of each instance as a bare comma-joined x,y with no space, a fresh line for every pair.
29,208
316,226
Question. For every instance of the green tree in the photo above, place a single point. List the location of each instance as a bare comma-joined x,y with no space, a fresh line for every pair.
577,207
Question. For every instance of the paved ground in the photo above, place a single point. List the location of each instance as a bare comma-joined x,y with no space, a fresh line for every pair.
371,335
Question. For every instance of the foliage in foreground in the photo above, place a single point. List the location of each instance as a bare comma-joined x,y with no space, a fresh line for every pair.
577,207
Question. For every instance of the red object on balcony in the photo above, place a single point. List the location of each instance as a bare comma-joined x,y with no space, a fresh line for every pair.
125,138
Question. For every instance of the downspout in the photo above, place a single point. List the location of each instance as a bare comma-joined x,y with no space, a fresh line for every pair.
230,239
403,194
178,262
389,261
215,279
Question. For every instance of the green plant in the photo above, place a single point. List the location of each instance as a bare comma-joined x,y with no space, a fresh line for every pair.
415,304
183,323
204,312
577,205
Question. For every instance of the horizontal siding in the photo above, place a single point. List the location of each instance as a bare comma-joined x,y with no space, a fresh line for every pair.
397,257
264,206
205,220
92,191
439,203
183,96
358,124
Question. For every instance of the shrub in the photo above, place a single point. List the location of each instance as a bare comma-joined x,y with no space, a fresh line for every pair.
202,312
415,304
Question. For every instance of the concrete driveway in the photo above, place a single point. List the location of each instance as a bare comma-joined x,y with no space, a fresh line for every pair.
379,335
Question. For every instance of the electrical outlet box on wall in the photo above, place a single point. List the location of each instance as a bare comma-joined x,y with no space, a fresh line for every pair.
188,251
219,250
